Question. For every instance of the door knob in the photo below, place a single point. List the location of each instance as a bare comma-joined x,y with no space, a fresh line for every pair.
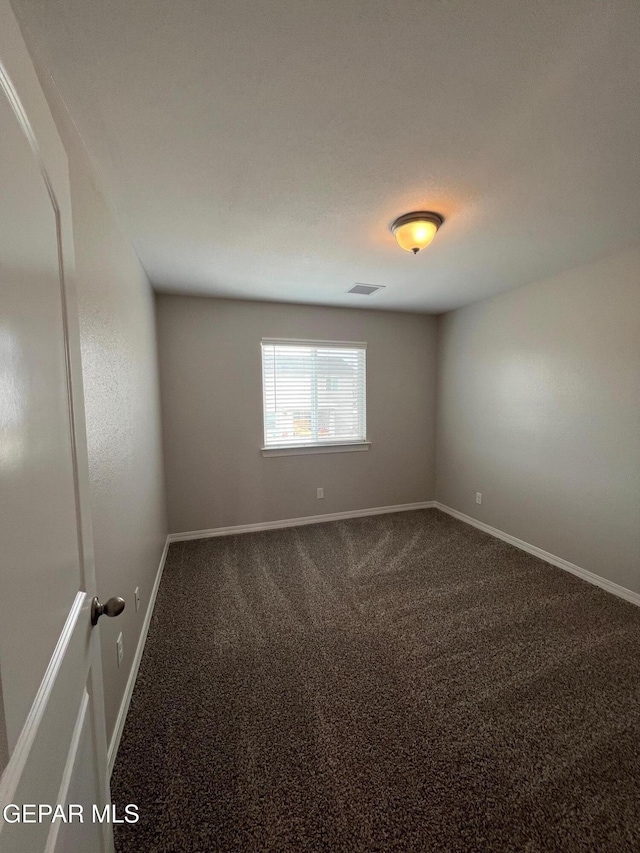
113,607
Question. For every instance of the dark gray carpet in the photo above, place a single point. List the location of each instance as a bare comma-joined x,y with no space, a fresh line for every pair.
396,683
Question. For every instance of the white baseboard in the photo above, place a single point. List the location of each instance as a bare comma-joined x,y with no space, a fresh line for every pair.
135,666
609,586
296,522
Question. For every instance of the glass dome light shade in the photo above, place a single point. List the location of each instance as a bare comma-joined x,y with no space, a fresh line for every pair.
414,231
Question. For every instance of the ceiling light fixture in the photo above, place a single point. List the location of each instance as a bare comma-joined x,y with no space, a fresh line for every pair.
414,231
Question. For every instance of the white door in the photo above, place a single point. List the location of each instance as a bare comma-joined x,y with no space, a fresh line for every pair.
52,736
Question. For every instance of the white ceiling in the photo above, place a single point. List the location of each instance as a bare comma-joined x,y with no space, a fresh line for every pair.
260,148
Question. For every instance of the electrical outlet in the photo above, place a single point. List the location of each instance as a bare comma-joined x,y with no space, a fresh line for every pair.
136,598
478,497
319,493
120,648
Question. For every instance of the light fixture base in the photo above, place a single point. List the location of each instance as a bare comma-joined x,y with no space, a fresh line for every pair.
417,216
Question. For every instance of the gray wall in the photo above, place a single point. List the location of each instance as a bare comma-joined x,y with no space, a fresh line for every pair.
212,413
539,409
4,746
119,364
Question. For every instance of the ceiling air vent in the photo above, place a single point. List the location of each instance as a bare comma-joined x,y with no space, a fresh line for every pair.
365,289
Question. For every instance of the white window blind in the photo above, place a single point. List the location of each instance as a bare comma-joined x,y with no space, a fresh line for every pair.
314,393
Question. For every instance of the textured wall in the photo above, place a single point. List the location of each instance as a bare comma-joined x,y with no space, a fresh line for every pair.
212,413
119,363
539,409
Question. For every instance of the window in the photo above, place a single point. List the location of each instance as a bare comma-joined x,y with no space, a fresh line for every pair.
313,393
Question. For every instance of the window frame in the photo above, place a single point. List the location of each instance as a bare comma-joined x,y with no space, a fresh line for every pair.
339,446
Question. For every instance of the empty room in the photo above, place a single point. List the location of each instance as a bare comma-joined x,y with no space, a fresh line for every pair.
319,426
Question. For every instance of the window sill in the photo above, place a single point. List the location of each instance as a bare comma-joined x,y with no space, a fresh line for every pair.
348,447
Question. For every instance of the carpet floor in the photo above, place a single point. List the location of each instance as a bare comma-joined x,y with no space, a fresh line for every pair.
394,683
